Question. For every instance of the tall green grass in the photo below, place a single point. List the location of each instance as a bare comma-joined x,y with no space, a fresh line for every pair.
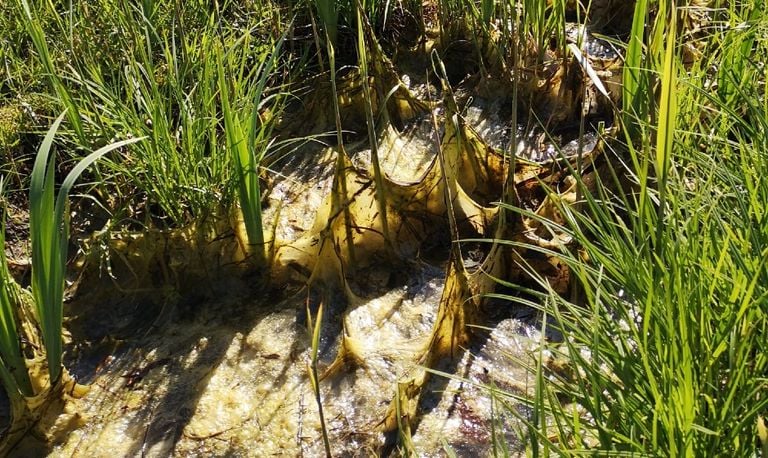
49,235
635,80
22,376
664,354
341,15
157,75
248,134
37,36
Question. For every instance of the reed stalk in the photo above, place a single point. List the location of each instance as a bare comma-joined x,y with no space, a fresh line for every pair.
248,139
314,325
378,177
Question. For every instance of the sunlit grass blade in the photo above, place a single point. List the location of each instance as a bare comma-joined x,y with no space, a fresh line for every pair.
49,235
667,118
635,88
248,141
38,38
587,67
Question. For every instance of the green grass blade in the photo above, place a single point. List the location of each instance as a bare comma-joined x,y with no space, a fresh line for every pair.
49,234
244,159
38,39
665,131
635,97
328,13
381,197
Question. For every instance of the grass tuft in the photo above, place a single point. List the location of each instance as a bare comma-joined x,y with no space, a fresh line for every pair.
49,235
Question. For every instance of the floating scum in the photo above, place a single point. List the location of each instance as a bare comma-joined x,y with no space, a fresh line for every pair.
369,218
454,196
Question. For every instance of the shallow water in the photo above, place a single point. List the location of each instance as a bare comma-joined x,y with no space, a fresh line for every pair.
225,372
233,379
229,376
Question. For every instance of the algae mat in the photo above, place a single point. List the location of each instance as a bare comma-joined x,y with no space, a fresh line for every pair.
201,353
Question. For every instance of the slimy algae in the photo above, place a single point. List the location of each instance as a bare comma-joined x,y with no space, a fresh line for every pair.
221,370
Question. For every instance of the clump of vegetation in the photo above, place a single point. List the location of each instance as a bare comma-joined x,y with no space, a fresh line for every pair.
663,341
10,126
29,387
